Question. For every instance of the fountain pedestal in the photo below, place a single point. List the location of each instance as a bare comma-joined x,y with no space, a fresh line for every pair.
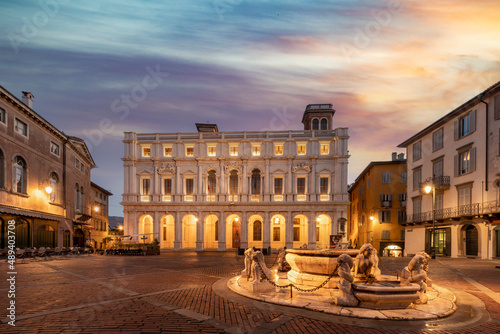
385,295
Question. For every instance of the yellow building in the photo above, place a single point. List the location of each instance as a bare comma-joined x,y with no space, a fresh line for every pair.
378,206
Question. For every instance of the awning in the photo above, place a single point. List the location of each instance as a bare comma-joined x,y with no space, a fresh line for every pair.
82,218
29,213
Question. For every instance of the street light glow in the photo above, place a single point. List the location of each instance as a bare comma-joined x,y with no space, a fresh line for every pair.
48,189
427,189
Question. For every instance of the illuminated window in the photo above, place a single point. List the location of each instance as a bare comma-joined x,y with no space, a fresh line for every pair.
168,151
189,151
233,151
145,186
255,150
146,151
278,149
324,149
189,186
257,230
301,149
211,151
323,185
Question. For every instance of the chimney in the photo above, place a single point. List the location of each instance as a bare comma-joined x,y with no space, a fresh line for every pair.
394,156
28,99
401,156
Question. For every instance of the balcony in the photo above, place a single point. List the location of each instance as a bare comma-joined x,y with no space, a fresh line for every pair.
440,182
455,213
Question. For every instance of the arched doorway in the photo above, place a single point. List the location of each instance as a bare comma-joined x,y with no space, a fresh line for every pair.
233,231
45,236
78,238
471,240
167,231
323,223
189,231
211,233
300,233
255,229
146,229
278,231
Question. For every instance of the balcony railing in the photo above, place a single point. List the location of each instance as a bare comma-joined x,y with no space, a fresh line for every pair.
469,210
440,182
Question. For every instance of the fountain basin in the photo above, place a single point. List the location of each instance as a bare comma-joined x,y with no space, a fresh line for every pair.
385,295
312,267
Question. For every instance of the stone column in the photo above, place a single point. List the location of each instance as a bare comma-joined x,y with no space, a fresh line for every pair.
311,220
200,231
222,231
244,230
455,240
178,230
289,230
266,230
199,192
156,226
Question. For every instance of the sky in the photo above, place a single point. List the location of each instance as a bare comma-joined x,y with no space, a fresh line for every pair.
390,68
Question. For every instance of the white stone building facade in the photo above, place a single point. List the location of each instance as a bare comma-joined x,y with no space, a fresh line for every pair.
459,155
215,190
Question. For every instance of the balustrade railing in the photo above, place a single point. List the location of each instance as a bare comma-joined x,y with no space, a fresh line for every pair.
474,209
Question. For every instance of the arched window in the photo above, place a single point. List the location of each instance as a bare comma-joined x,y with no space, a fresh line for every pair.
54,183
233,182
257,230
324,124
19,175
315,124
212,183
77,198
2,169
256,182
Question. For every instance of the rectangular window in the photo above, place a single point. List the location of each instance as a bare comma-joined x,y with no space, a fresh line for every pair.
417,206
278,186
82,167
401,216
386,197
189,186
276,233
384,216
323,185
403,177
386,178
146,151
464,163
54,148
211,151
465,125
417,178
189,151
402,235
324,149
301,185
362,204
255,150
167,187
233,151
464,196
3,116
437,168
417,151
437,140
385,234
168,151
77,164
301,149
278,149
145,187
21,127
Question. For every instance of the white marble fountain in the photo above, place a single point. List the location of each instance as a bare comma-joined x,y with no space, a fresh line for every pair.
354,286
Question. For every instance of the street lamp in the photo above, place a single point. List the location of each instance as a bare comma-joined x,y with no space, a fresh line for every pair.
428,188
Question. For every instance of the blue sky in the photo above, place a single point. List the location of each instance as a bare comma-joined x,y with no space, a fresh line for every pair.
388,67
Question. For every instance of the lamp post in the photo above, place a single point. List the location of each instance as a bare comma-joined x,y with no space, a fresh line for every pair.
428,188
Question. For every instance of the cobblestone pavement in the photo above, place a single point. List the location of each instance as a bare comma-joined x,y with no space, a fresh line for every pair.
185,292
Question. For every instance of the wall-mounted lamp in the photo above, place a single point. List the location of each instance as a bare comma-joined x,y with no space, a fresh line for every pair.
277,220
236,219
318,219
96,208
372,218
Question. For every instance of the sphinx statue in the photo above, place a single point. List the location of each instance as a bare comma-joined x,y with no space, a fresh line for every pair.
246,273
282,263
366,263
416,272
345,296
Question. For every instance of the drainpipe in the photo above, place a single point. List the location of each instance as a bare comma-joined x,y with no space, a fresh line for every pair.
486,155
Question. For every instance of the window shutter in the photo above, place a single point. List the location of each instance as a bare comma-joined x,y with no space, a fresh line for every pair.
390,197
455,158
473,159
388,216
380,216
472,121
381,197
497,107
456,129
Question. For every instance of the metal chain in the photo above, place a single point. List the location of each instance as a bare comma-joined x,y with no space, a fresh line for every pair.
296,287
397,272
